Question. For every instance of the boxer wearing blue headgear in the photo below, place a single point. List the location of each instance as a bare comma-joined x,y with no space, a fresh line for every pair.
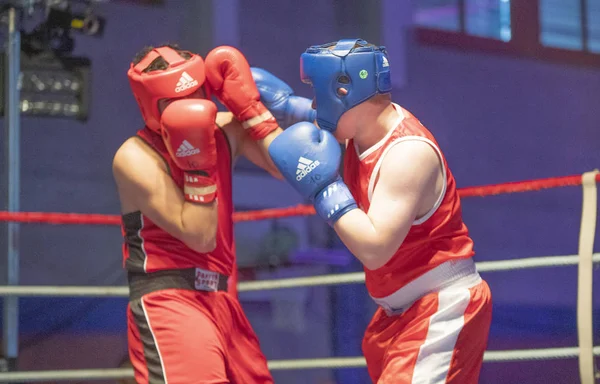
343,75
397,210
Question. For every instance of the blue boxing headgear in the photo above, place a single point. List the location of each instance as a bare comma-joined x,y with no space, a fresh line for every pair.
343,75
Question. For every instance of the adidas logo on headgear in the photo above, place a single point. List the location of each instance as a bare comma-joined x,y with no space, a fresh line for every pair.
305,166
185,82
186,149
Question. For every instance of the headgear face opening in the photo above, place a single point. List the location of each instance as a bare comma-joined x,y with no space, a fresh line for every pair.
181,78
343,75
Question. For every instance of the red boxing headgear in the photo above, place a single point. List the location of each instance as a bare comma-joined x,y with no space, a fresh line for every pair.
181,78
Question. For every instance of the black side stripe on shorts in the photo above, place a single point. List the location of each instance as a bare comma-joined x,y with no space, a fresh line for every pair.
156,374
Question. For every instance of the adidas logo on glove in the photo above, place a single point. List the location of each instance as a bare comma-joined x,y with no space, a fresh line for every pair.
186,149
305,166
185,82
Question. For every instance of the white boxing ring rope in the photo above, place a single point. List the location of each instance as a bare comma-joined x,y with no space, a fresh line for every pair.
585,352
296,282
292,282
276,365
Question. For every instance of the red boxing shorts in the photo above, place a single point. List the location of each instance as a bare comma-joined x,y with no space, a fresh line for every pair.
440,339
180,336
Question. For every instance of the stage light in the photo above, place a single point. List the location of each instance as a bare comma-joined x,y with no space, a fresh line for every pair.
54,86
51,82
86,23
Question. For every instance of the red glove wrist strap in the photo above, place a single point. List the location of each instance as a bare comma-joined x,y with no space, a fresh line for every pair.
199,188
258,121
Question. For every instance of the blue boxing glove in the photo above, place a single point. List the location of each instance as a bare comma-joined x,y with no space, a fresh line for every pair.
309,159
279,98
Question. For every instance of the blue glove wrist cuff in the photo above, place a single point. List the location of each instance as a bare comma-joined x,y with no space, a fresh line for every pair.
300,109
334,201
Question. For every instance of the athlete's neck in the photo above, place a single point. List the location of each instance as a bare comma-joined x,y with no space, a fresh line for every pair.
373,125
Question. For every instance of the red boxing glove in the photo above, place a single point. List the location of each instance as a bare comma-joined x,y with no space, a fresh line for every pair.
229,75
188,132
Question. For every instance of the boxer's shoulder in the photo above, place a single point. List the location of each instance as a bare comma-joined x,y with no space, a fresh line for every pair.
137,168
136,155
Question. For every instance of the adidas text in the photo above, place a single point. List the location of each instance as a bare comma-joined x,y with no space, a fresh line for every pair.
186,86
188,152
307,170
186,149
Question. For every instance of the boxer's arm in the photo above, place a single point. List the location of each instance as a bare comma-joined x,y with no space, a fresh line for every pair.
231,127
257,151
409,184
242,144
144,184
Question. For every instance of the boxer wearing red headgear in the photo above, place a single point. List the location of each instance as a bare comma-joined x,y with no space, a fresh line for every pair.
182,77
174,183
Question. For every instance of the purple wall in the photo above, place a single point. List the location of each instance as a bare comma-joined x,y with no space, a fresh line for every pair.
501,120
498,120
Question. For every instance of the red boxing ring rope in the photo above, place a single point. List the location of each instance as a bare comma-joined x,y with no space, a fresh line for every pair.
298,210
